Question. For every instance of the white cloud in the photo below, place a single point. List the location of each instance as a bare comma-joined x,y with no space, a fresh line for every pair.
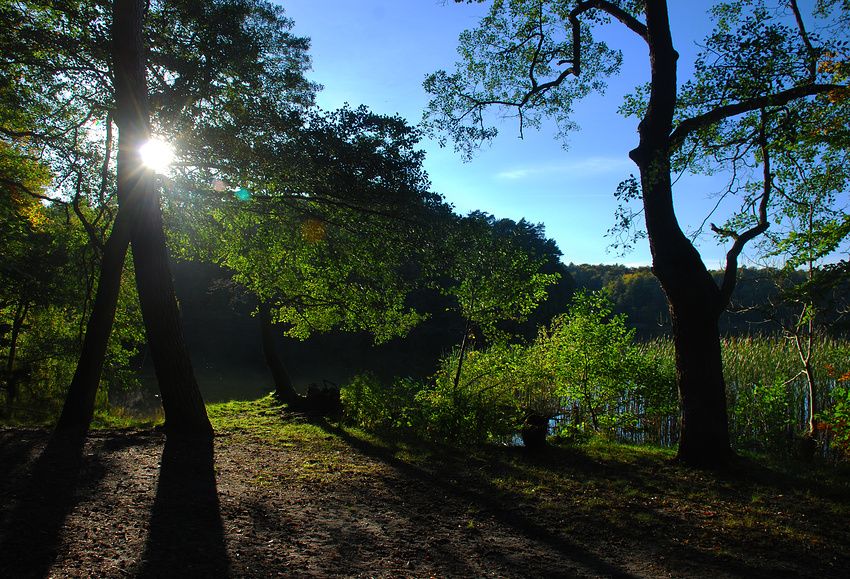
590,167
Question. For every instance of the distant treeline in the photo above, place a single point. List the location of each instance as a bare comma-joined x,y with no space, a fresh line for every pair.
636,293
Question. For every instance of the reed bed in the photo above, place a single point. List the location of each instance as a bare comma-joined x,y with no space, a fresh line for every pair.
766,389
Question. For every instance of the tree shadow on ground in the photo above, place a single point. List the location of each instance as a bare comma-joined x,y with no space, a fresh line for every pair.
634,529
683,535
186,534
582,560
38,503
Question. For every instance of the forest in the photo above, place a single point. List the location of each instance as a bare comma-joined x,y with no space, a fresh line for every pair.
259,317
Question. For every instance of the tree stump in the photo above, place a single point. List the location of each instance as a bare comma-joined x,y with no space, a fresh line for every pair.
534,431
323,400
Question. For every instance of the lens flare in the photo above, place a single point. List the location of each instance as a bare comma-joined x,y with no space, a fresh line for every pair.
243,194
157,154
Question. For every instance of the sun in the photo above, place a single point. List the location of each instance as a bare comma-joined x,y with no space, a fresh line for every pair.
157,154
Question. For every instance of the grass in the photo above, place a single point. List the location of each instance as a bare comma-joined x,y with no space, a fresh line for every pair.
119,418
261,419
641,489
323,456
602,488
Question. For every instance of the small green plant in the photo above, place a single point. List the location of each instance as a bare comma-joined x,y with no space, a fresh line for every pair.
836,421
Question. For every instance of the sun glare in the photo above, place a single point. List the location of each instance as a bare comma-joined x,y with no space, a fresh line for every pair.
157,154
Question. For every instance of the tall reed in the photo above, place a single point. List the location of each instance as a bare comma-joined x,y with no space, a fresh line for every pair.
767,392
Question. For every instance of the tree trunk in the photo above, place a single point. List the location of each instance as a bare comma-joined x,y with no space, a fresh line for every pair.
185,413
284,389
807,443
78,410
805,354
12,377
693,296
460,359
704,427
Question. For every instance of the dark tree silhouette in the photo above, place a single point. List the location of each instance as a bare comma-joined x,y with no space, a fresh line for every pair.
184,408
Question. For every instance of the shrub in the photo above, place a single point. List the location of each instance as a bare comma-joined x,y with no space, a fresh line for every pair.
590,356
373,405
836,419
489,402
652,408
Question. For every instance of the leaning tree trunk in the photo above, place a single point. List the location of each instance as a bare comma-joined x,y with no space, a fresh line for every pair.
284,389
181,399
693,296
78,410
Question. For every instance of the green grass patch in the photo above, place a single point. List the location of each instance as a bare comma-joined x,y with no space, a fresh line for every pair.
118,418
262,419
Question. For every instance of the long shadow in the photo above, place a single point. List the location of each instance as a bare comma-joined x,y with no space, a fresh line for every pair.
31,533
584,559
186,534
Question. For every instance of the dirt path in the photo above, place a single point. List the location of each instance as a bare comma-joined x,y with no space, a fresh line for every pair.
130,504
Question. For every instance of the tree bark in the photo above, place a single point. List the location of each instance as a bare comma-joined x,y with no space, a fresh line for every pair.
78,410
694,298
185,413
284,389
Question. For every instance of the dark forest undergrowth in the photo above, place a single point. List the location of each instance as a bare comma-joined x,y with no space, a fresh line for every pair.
279,494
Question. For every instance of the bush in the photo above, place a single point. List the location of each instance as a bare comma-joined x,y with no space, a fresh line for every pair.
652,408
490,401
585,361
373,405
590,356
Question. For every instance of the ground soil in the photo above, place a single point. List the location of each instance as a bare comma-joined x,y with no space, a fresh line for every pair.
131,504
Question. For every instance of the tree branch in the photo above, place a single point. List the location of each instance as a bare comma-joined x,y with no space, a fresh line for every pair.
813,60
90,230
731,272
630,21
688,126
30,192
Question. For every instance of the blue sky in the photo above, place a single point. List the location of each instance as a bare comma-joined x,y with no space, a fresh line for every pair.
377,53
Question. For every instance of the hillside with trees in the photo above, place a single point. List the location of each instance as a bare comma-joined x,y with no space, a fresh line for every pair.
637,294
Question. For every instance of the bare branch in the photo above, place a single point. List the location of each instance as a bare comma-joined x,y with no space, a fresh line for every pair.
631,22
813,61
90,230
542,37
731,272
